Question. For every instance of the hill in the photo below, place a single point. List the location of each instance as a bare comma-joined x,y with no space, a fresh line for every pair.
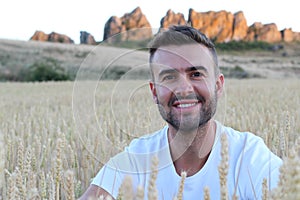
107,62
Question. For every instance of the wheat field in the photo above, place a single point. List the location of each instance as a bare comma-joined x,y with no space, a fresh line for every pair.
55,136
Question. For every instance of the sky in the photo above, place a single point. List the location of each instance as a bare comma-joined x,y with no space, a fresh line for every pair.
19,19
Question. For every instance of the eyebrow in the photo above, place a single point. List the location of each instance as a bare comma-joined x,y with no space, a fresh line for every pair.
189,69
166,71
196,68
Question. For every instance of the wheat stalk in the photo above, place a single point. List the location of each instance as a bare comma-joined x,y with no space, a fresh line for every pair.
152,191
69,185
43,186
181,186
265,190
12,190
223,167
126,189
20,185
51,187
27,164
2,163
206,193
58,167
20,156
293,179
140,193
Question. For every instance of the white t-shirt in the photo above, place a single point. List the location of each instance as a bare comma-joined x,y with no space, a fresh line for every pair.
250,161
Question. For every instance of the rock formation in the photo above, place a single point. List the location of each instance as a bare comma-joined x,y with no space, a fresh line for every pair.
40,36
172,19
296,36
134,26
263,32
87,38
52,37
223,26
215,25
240,26
289,36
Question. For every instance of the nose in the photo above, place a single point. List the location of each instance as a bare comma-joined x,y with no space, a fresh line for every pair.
184,87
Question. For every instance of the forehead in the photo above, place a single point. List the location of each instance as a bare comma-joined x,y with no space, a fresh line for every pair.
183,56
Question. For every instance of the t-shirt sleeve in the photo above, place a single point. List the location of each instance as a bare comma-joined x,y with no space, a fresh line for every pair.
109,179
112,174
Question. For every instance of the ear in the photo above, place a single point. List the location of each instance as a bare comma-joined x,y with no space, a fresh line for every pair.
153,91
220,84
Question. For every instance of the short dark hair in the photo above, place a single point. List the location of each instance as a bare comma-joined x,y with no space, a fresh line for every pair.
181,35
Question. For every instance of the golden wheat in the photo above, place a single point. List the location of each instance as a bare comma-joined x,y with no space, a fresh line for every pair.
223,167
152,191
181,186
206,194
42,138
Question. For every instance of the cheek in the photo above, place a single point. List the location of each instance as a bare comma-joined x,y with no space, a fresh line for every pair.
163,93
208,88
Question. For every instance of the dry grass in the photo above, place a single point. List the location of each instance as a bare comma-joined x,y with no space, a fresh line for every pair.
18,55
51,154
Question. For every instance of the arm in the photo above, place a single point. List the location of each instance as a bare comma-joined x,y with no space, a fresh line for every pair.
94,192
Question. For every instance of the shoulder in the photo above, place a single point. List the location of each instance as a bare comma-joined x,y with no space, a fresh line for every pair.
249,149
246,140
137,156
252,158
150,142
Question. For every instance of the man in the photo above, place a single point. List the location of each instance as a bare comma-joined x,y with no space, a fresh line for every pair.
186,84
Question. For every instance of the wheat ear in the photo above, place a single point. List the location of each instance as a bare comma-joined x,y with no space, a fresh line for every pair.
2,163
181,186
223,167
69,185
152,191
126,189
206,193
265,190
140,193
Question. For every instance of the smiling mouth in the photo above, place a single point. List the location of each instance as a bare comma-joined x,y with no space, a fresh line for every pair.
185,105
186,102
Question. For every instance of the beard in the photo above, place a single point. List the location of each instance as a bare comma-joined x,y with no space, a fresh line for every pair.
190,122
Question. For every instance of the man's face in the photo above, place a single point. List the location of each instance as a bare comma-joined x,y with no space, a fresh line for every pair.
185,86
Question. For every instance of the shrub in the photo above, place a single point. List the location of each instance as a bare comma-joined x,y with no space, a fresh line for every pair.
238,73
243,46
48,70
115,72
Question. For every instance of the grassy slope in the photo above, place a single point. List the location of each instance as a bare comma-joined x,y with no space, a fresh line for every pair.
16,55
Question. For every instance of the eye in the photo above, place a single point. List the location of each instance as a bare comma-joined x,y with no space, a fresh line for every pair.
196,74
169,77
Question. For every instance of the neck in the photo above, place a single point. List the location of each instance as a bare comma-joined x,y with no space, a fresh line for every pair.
190,150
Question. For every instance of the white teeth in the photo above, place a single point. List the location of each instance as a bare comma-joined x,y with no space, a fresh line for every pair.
186,105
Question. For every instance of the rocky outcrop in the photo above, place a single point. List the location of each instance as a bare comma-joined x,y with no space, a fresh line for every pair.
87,38
296,36
134,26
61,38
52,37
40,36
112,27
289,36
172,19
223,26
263,32
240,26
216,25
